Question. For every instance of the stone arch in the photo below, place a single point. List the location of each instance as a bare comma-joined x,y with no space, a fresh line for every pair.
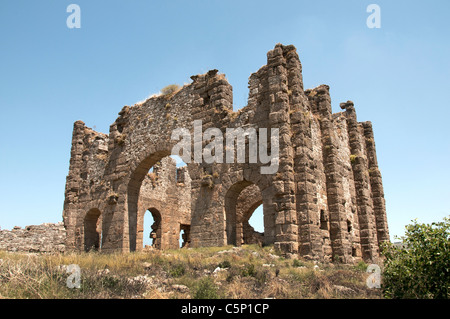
134,186
248,201
155,209
92,228
238,209
231,216
156,233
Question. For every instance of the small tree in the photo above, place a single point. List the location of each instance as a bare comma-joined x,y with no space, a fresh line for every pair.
420,267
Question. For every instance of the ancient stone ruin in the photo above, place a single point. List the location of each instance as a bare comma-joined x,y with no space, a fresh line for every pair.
44,238
325,202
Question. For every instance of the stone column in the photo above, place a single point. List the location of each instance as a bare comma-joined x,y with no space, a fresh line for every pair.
73,181
306,195
321,104
379,204
362,185
286,229
212,101
122,198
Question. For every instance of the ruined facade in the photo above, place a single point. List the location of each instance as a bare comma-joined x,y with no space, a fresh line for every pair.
325,202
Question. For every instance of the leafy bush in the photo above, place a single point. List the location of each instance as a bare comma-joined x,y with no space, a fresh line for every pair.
420,268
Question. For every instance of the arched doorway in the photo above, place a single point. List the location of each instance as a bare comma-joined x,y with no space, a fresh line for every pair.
241,200
134,189
152,228
92,230
160,188
184,235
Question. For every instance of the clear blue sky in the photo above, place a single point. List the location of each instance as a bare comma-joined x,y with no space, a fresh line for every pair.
51,76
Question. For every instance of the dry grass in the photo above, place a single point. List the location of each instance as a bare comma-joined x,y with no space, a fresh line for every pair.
169,91
249,272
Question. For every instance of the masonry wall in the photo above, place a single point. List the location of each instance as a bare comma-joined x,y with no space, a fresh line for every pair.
325,202
44,238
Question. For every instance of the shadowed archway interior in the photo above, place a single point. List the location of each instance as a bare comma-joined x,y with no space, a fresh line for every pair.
92,230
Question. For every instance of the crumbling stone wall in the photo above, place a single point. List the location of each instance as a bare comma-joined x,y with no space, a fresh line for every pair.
44,238
325,202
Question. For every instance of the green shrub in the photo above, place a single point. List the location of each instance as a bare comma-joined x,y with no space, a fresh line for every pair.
177,270
420,268
206,289
224,264
361,266
297,263
249,271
